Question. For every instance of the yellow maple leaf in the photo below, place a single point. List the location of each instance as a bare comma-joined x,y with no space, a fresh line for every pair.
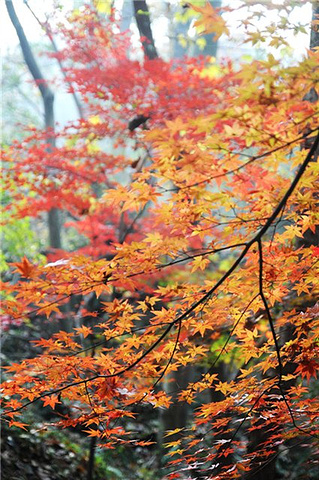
48,308
172,432
210,21
172,444
199,263
176,452
200,327
100,288
95,119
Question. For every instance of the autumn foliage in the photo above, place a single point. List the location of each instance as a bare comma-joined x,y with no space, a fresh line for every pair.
192,229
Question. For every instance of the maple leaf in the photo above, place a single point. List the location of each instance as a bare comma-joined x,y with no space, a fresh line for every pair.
25,268
201,327
228,451
48,308
210,21
172,432
85,331
200,262
50,400
144,443
93,433
178,451
99,289
308,368
172,444
14,423
107,388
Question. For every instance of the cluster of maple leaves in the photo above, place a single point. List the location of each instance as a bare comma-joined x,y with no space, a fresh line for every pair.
191,224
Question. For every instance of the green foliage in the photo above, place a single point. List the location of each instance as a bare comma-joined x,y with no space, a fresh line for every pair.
19,238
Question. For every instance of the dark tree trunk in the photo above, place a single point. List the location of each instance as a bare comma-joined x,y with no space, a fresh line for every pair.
90,471
176,415
142,16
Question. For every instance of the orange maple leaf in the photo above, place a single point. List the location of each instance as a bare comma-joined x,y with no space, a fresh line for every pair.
18,424
93,433
85,331
107,388
50,400
25,268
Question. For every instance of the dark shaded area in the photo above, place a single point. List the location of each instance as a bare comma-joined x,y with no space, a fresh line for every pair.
26,456
47,454
137,122
142,16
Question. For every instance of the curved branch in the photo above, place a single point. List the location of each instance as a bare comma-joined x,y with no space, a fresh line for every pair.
29,59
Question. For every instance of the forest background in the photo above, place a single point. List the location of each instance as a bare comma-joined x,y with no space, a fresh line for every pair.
160,246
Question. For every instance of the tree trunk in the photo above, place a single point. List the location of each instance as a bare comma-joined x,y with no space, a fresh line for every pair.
176,415
46,28
48,100
314,35
142,16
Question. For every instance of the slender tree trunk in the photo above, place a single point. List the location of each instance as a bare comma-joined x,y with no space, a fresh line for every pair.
90,471
142,16
176,415
314,35
48,100
46,28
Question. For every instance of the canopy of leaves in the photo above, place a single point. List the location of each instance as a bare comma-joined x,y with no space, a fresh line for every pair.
191,223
